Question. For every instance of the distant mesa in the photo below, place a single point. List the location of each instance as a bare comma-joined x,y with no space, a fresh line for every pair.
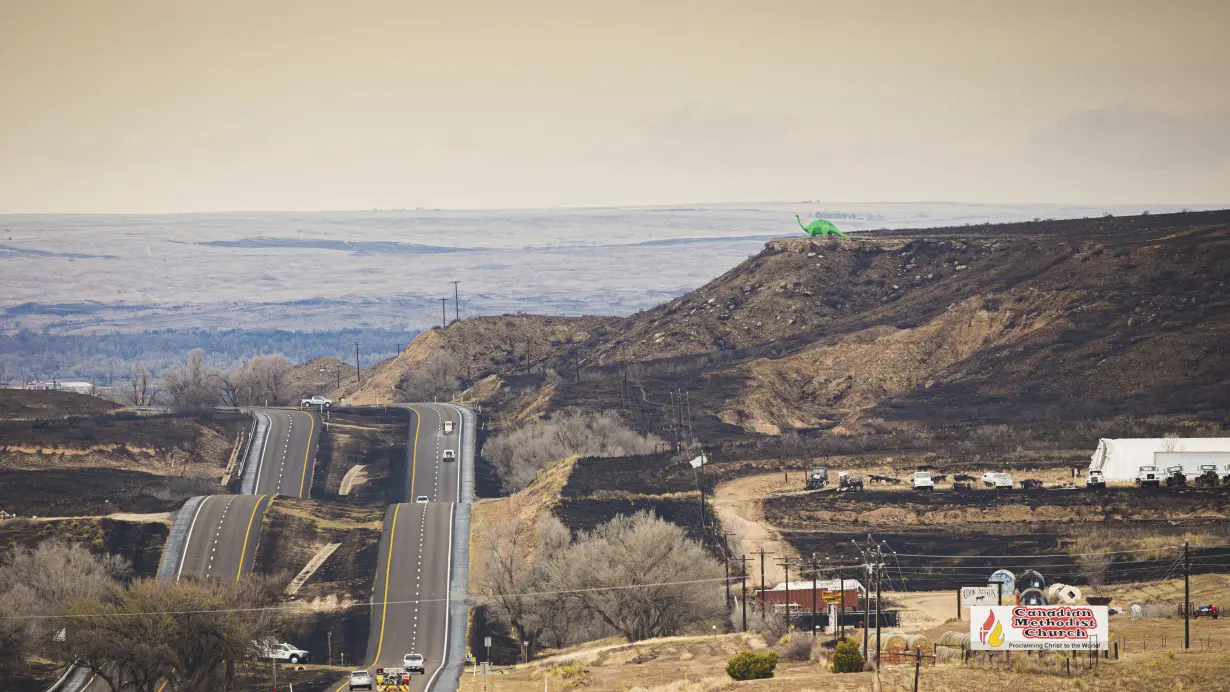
357,247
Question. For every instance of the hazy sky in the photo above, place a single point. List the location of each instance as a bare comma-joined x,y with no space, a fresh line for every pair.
195,105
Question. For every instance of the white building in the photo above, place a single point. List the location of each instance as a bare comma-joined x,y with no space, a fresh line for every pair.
1120,460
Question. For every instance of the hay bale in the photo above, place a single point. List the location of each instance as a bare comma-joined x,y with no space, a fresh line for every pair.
892,641
957,639
916,642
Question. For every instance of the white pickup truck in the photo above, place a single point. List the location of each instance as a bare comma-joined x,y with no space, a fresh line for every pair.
922,481
448,427
281,651
316,401
997,480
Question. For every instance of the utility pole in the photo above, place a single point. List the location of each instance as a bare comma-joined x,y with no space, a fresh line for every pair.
879,578
726,553
815,574
1187,597
743,609
841,618
456,301
358,372
762,554
785,563
443,314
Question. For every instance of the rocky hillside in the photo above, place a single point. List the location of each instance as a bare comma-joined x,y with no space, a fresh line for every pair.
1073,318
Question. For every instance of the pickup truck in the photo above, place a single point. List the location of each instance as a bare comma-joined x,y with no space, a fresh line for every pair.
316,401
1096,480
281,651
999,481
449,455
448,427
922,481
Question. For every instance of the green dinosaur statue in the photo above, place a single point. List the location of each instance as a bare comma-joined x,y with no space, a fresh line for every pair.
819,227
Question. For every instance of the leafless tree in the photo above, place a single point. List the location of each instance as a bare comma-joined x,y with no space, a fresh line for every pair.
643,577
435,379
190,633
517,562
140,385
518,455
39,582
193,387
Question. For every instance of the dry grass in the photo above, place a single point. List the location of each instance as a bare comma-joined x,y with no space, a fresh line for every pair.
525,505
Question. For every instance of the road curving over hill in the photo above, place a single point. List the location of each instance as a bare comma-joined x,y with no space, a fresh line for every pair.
418,595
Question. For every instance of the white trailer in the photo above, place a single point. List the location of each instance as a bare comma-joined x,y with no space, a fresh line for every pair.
1120,459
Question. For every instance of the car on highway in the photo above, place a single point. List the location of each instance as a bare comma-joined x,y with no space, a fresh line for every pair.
448,427
360,680
413,663
282,651
450,455
316,401
421,499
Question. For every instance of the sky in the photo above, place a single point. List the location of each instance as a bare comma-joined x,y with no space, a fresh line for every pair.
158,106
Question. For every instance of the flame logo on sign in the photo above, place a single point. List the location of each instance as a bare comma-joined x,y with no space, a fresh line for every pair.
991,631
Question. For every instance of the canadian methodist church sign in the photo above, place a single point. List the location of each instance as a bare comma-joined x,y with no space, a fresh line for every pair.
1018,627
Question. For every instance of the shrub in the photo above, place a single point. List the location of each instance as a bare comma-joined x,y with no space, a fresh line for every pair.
796,647
846,658
751,665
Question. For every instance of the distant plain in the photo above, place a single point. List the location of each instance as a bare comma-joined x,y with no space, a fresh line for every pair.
82,274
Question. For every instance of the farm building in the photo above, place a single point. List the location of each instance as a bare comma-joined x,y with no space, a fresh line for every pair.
1120,460
801,594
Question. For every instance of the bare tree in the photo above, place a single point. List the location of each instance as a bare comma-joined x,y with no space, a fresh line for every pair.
140,385
193,387
39,582
268,377
517,563
191,633
518,455
643,577
435,379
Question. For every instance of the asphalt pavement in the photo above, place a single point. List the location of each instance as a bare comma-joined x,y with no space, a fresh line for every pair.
410,594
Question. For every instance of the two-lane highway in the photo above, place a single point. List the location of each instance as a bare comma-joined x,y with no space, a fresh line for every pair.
410,595
289,452
223,535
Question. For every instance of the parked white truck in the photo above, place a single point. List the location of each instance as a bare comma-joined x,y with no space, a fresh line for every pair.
1148,477
922,481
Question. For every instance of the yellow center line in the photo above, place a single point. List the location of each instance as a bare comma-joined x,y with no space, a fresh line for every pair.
414,451
414,458
388,568
311,429
239,574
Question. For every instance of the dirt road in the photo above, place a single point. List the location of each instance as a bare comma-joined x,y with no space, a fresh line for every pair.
738,504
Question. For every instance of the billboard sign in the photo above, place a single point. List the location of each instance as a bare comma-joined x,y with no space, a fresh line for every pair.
1020,628
979,595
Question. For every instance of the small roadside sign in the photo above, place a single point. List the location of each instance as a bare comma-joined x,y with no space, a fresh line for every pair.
979,596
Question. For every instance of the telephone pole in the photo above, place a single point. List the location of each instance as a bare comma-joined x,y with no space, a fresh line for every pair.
357,371
456,301
762,585
443,314
785,563
743,609
1187,598
726,554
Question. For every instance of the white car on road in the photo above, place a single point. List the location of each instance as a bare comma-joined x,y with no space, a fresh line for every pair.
360,680
450,455
413,663
421,499
316,401
448,427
